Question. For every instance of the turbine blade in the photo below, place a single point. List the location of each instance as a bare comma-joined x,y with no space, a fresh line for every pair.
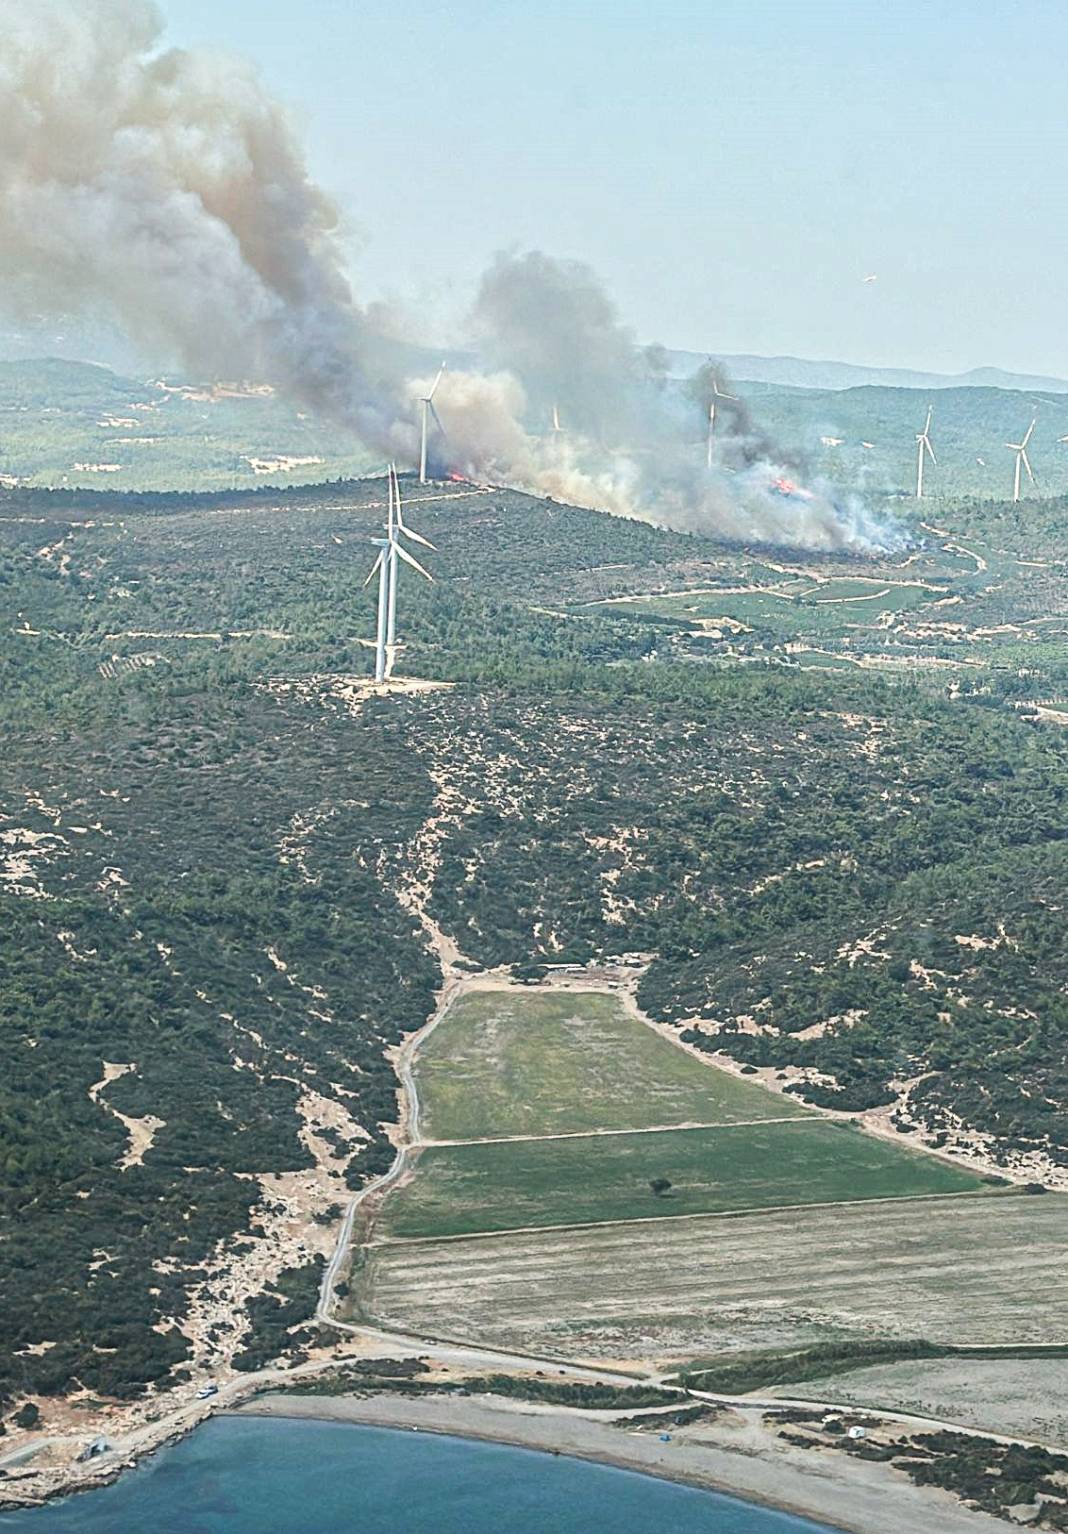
410,559
930,450
1027,438
375,567
930,413
434,389
408,532
437,418
1027,466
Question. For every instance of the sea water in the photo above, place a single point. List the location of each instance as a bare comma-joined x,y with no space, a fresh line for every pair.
252,1475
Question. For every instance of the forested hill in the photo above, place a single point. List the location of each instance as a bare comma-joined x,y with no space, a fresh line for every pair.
69,424
213,841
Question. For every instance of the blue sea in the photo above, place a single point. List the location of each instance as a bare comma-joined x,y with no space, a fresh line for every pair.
251,1475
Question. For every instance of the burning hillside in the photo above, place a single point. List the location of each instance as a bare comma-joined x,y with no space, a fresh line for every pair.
169,189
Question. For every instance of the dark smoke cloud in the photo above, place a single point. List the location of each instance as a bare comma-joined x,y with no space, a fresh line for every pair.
632,440
552,324
740,442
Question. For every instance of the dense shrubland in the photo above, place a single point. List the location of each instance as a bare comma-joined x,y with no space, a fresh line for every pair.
791,849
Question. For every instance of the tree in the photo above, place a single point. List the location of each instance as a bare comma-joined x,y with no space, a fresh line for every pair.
661,1186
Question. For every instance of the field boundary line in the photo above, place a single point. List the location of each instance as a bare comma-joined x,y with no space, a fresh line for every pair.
594,1134
707,1214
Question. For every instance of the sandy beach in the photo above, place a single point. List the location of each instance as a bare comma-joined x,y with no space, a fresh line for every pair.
734,1454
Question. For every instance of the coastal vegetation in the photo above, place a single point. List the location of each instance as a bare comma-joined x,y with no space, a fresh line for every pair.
742,1374
516,1387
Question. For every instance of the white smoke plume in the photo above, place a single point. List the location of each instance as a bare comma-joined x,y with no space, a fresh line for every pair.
166,190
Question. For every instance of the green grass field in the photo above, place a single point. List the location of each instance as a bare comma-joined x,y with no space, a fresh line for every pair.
457,1190
507,1064
828,609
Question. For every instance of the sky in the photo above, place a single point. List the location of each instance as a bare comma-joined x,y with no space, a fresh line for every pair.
733,168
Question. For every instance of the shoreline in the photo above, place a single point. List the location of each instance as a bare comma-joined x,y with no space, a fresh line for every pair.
734,1456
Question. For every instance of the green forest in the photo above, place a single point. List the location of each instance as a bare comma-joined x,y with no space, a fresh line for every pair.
853,876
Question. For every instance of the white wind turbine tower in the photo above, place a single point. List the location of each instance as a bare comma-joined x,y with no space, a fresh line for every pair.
717,393
924,448
1020,449
427,403
381,569
387,567
398,529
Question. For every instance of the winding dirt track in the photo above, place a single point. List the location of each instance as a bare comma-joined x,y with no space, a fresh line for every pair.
410,1138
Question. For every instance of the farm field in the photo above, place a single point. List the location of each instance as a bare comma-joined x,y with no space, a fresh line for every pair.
459,1189
504,1063
985,1271
795,607
1026,1397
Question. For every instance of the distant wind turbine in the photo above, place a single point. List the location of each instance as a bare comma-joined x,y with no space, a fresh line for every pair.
387,568
717,393
427,402
923,439
1020,449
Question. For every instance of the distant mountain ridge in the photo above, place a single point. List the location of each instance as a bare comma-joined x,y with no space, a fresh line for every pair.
805,373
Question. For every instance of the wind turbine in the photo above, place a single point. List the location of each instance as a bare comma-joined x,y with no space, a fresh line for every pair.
387,567
427,403
557,428
923,440
717,393
398,529
381,569
1020,449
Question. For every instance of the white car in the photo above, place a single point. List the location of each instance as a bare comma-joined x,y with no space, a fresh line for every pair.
207,1390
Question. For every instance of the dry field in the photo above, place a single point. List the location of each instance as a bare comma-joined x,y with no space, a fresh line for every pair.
951,1270
1024,1397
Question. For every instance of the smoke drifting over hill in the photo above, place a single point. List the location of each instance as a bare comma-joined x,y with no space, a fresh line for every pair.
167,189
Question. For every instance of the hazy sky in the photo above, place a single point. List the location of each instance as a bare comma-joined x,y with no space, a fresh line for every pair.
733,168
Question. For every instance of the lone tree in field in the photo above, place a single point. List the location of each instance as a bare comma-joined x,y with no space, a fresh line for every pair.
660,1185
